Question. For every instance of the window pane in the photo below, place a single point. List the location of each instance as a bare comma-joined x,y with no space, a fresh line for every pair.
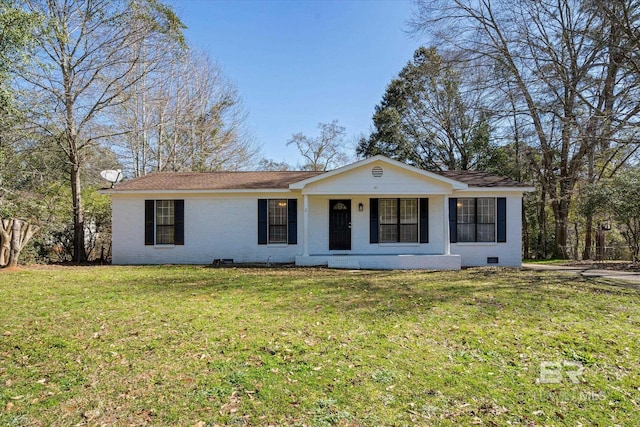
278,221
165,235
486,219
278,234
466,211
388,233
486,233
164,212
408,211
466,232
466,220
165,220
408,232
486,210
388,211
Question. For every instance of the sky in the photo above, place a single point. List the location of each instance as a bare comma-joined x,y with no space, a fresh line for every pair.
300,63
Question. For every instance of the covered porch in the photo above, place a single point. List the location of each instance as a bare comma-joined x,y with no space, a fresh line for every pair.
346,231
376,215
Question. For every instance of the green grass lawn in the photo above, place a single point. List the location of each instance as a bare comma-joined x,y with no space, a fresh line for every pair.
231,346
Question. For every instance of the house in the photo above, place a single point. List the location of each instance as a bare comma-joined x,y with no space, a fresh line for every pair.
375,213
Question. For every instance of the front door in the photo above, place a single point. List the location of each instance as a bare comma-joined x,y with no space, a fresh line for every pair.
340,225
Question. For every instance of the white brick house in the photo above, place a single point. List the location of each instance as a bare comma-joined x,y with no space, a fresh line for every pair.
375,213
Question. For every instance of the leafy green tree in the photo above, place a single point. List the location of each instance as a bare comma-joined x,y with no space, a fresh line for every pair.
16,37
433,116
620,198
625,205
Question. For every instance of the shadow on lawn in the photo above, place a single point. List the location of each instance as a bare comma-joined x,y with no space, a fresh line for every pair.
377,293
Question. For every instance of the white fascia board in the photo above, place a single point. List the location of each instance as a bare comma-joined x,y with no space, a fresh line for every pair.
457,185
369,193
501,190
243,191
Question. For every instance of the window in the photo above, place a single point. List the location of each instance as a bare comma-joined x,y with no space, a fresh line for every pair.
398,220
164,222
476,219
278,221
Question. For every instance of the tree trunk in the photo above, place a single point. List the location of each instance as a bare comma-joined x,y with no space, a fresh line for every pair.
588,236
561,216
541,250
79,251
14,252
15,234
5,240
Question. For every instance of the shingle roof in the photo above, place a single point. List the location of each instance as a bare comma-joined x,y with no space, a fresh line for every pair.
482,179
265,180
215,180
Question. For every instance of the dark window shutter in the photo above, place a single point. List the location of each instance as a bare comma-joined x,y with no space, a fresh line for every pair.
373,220
453,220
178,221
262,221
292,208
502,219
149,215
424,220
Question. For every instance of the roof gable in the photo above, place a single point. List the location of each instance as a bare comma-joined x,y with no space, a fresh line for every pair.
379,159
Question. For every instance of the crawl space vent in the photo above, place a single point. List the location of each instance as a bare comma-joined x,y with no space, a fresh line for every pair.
493,260
377,171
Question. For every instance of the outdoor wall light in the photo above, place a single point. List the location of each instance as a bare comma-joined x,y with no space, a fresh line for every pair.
360,207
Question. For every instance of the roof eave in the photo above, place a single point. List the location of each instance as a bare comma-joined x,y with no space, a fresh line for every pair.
197,191
500,189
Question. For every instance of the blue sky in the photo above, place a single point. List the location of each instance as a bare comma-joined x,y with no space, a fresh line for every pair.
299,63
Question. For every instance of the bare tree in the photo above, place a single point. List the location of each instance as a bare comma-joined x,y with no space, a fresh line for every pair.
325,151
273,165
568,84
187,117
83,71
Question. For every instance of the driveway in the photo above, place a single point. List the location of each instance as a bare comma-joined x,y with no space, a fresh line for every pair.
629,276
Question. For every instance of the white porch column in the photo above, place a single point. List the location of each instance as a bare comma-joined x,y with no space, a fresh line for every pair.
445,218
305,227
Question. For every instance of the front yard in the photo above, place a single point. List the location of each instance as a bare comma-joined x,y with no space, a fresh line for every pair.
230,346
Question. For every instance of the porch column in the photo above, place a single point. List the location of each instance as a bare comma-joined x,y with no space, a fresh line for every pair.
445,218
305,227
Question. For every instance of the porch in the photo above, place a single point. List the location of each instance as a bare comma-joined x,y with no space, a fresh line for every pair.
383,261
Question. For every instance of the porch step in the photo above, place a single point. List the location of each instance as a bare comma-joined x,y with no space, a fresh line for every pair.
344,262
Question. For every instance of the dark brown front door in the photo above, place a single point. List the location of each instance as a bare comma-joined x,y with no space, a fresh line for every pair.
340,225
